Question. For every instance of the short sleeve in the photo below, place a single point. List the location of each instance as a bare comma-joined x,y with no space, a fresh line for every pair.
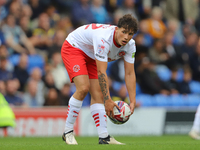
130,55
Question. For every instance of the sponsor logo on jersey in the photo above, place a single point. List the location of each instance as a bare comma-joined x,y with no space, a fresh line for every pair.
133,55
121,53
76,68
99,56
100,49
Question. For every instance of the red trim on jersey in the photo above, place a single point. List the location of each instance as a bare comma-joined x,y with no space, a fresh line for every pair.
115,41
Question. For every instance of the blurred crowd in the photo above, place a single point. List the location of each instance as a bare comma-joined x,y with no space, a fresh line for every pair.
32,32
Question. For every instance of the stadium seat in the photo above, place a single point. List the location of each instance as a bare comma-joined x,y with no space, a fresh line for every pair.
163,72
14,59
195,86
193,99
144,99
138,89
161,100
176,100
35,61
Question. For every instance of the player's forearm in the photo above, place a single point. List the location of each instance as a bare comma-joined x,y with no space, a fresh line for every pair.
130,80
103,82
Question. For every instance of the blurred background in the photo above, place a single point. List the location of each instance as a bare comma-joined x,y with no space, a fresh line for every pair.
167,60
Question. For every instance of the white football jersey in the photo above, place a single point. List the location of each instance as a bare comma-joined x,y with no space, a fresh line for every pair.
97,41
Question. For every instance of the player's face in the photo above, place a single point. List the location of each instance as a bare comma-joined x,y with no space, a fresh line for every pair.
123,36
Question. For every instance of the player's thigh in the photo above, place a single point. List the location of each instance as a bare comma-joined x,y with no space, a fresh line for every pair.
82,83
95,91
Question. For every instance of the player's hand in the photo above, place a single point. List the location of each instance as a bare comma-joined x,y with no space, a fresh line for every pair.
109,105
132,106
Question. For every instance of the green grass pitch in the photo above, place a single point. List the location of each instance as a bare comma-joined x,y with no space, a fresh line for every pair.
167,142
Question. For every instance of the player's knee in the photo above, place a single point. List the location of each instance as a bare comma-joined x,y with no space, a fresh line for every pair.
84,89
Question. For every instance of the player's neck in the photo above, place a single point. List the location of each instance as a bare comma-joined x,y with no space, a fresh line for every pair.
115,39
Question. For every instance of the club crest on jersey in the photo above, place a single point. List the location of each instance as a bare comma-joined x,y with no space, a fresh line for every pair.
76,68
121,53
100,49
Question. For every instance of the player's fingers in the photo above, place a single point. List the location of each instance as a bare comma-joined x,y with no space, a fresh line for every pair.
112,113
117,106
108,113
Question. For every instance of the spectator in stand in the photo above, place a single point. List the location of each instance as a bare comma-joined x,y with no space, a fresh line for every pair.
65,24
43,34
174,77
58,68
57,43
183,10
156,26
116,16
25,20
37,7
31,96
147,39
24,24
65,94
15,37
15,8
20,71
81,13
183,86
187,30
3,10
4,73
26,11
52,98
174,26
99,12
129,8
36,75
188,48
111,6
150,82
4,54
49,81
145,7
157,54
172,50
195,63
54,17
13,97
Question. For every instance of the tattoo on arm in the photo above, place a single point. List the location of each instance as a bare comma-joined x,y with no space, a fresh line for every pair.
103,85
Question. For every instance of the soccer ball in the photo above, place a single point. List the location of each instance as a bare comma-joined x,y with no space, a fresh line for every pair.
121,116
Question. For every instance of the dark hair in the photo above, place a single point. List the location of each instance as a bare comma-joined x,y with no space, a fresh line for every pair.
128,22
